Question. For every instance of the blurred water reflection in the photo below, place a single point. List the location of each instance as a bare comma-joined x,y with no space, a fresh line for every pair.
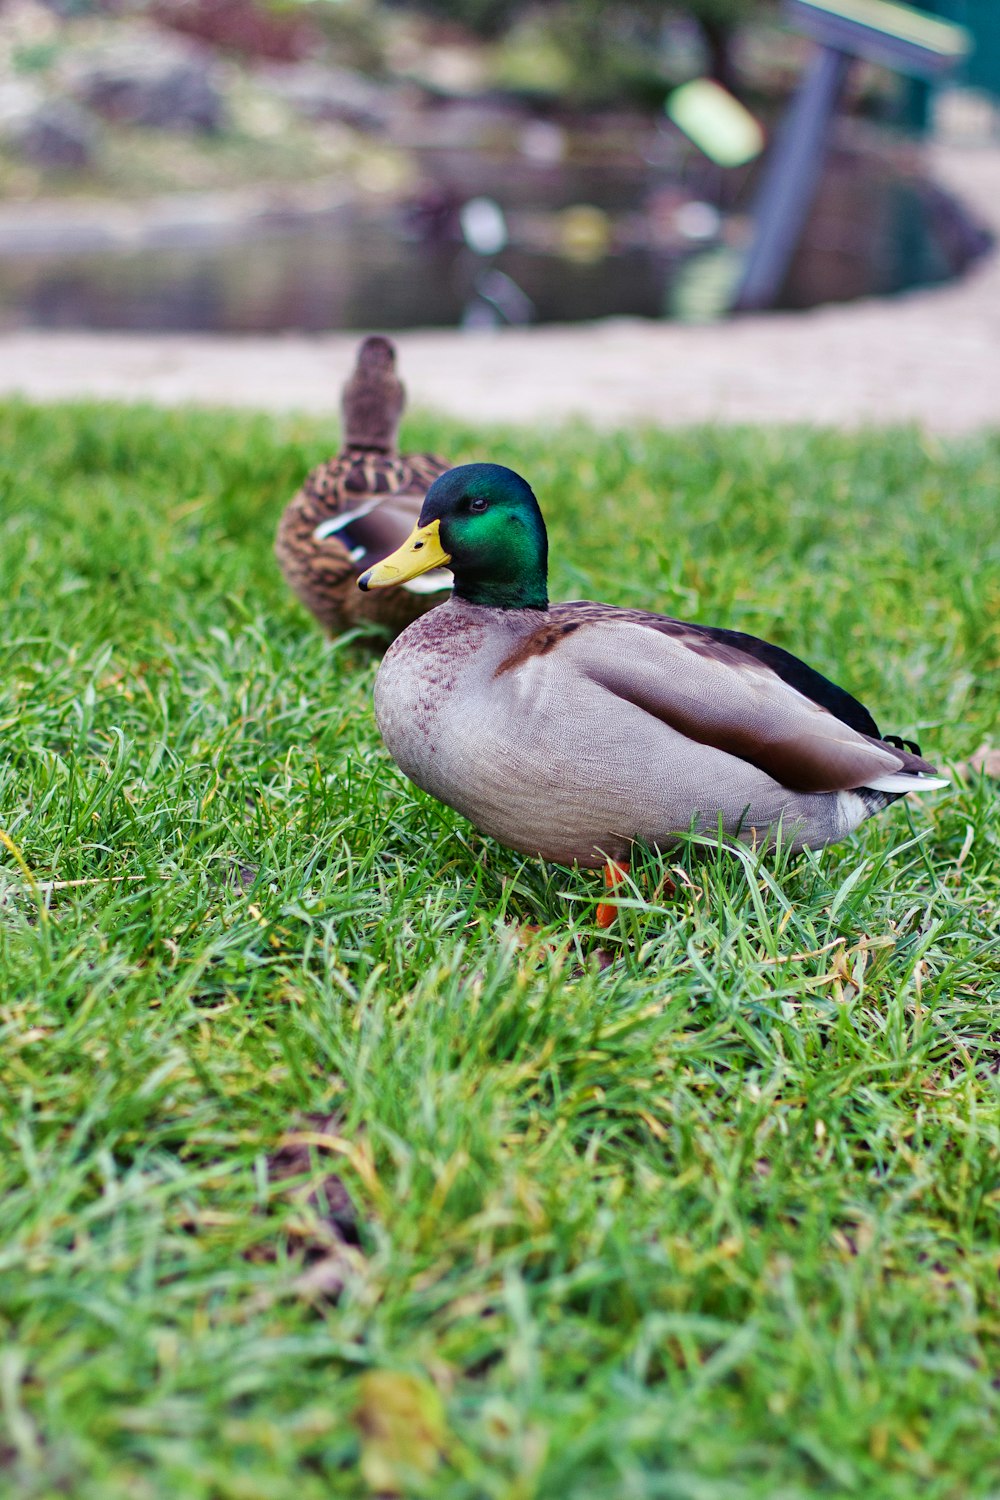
872,231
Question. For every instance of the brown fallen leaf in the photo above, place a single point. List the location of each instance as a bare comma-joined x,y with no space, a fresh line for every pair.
324,1230
985,760
322,1198
323,1280
402,1424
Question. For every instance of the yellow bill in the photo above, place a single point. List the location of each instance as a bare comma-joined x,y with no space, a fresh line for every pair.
421,552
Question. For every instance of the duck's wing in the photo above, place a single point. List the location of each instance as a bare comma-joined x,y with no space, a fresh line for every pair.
709,686
374,528
798,674
376,524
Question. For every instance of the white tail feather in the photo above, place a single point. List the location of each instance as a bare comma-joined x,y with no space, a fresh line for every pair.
907,781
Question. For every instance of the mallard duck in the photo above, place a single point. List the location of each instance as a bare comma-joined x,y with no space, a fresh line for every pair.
572,731
359,505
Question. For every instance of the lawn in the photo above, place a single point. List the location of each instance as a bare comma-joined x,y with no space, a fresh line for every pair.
341,1153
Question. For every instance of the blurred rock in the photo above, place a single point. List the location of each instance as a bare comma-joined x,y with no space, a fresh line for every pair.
149,78
27,24
57,134
320,93
45,132
18,99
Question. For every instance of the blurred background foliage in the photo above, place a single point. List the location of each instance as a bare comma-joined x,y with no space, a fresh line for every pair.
364,128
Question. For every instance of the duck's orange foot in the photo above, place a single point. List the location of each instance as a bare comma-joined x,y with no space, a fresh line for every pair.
614,873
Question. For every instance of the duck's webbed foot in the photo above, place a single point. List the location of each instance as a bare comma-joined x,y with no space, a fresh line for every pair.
615,872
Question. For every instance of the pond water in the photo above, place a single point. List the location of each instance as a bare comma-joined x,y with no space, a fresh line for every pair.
874,230
324,277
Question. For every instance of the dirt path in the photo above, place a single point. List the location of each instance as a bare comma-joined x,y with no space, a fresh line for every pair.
931,357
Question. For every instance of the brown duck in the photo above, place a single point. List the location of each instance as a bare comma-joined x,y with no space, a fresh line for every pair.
359,506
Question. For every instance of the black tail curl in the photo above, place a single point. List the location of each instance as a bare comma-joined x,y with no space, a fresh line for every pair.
900,744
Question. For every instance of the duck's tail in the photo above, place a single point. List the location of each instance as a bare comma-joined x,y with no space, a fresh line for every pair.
914,774
898,783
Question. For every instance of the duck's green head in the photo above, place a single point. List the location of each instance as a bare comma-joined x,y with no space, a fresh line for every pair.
481,521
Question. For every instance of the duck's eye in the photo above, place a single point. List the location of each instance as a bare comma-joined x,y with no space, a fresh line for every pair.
478,505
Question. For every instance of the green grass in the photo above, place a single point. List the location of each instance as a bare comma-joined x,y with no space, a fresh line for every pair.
705,1209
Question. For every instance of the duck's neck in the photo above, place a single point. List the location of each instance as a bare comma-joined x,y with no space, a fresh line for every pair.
496,594
509,568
